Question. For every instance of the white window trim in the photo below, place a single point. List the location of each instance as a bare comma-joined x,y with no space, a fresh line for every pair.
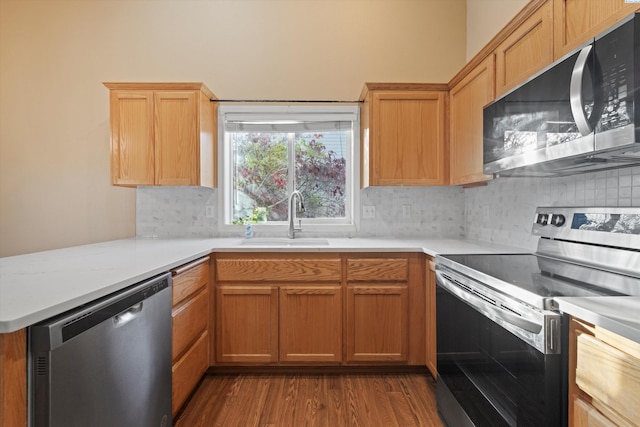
310,227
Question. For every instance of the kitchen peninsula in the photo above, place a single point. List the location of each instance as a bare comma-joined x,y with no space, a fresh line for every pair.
36,286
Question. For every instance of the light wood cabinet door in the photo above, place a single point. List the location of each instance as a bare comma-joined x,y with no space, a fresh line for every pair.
247,324
377,327
404,142
311,324
467,98
176,138
430,307
525,51
576,21
162,134
132,146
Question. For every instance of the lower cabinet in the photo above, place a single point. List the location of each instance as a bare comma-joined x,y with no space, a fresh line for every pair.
278,309
190,328
377,309
266,324
188,370
604,377
310,324
377,323
247,324
319,309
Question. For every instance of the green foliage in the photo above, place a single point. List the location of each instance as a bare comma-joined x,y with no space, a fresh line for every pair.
261,175
257,215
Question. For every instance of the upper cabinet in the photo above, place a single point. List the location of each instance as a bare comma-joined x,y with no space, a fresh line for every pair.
162,134
528,49
467,98
542,32
404,134
575,21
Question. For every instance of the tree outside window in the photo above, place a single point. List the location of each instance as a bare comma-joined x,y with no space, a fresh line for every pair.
270,151
261,173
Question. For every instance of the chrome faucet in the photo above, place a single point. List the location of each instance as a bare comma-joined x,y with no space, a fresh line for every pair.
293,211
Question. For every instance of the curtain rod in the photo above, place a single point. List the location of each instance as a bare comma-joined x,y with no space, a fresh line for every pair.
285,100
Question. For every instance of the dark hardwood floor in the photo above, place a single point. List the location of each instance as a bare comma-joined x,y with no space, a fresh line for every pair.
296,400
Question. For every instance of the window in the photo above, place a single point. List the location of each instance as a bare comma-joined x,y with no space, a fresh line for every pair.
269,152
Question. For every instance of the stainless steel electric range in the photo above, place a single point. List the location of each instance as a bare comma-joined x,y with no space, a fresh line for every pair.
501,341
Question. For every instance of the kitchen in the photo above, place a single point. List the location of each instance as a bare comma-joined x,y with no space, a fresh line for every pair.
79,50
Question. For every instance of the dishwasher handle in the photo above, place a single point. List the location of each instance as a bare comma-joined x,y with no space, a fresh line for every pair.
123,306
125,317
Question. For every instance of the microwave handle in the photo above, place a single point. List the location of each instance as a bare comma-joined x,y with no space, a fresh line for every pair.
575,92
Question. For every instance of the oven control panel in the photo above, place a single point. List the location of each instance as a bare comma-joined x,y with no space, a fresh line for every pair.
612,226
543,219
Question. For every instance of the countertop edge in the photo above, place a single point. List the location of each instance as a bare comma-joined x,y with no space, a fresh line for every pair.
615,314
187,250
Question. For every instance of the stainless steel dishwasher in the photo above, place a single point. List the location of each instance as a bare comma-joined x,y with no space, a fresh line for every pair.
105,364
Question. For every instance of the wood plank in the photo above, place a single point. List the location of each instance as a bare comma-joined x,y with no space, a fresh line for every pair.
13,379
283,270
377,269
289,399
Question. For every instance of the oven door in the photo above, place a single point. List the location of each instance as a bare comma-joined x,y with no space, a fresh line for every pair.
488,376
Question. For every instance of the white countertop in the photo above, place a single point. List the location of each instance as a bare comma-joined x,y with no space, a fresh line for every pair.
616,314
37,286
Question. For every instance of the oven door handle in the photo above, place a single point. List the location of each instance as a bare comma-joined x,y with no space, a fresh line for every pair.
492,311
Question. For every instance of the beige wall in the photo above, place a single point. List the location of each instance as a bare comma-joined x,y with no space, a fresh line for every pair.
54,131
485,18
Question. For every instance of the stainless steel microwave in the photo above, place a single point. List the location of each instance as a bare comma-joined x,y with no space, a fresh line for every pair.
580,114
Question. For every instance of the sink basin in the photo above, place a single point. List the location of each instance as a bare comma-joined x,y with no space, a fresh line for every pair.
284,242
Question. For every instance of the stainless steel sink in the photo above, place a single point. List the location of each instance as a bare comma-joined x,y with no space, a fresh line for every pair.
283,242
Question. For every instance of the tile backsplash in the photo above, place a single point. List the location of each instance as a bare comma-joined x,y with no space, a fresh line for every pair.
433,212
175,212
500,212
181,212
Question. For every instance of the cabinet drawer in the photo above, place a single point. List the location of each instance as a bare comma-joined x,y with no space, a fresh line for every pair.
189,320
188,370
610,376
281,270
585,415
189,278
377,269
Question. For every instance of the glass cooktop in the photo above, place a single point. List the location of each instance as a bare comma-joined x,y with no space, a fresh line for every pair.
537,279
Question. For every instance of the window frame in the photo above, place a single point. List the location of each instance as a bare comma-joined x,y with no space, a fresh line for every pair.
310,226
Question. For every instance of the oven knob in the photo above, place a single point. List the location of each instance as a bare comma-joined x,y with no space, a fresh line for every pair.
543,219
557,220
